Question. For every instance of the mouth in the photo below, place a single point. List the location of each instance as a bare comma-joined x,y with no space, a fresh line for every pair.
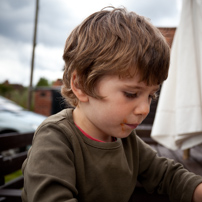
133,126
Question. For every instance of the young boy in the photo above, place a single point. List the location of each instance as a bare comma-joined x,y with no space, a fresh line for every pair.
115,62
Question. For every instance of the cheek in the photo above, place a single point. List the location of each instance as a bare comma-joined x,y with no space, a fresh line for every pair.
111,113
113,107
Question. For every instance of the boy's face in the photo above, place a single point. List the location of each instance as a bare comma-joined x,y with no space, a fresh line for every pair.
125,105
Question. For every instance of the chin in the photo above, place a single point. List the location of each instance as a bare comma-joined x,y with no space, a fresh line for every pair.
124,135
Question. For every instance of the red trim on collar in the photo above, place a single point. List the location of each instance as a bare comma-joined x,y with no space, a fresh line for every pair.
88,136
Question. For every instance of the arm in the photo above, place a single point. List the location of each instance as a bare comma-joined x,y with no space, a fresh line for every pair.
197,196
166,176
49,172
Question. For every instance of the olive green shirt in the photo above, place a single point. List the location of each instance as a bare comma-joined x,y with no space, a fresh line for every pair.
65,165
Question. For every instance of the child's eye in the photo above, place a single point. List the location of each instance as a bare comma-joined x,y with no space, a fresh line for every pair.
130,95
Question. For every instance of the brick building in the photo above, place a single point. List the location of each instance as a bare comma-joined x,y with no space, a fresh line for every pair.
49,101
168,33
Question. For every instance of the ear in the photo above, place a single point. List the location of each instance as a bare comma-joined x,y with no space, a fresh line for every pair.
82,97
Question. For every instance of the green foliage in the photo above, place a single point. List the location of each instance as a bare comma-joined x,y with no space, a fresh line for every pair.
5,89
20,97
42,82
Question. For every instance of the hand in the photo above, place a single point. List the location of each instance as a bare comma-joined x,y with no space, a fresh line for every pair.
197,196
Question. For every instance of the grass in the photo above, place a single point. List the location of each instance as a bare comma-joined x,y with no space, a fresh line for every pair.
13,176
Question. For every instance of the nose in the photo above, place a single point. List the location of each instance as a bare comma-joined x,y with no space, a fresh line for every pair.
142,108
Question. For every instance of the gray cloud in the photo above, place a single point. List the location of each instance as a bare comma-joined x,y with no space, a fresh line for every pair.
54,23
157,11
16,19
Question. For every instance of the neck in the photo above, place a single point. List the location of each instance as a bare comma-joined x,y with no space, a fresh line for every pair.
88,127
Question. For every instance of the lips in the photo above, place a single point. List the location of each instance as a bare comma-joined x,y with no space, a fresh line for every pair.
133,126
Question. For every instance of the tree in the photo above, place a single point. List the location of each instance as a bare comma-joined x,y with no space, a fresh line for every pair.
5,89
42,82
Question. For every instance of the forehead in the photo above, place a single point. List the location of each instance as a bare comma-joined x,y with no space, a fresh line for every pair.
145,74
134,82
126,83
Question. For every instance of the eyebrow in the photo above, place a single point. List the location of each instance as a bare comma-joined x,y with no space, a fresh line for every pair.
140,87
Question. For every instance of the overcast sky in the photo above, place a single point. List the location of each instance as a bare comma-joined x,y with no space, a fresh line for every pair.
55,22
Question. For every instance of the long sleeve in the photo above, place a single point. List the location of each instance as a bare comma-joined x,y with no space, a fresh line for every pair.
165,176
49,169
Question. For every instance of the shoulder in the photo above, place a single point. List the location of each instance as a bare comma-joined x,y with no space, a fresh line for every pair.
56,136
60,125
64,116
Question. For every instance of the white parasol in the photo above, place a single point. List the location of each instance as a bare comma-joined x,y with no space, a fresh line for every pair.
178,119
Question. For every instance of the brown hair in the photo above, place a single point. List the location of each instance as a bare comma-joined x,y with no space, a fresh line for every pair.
114,42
